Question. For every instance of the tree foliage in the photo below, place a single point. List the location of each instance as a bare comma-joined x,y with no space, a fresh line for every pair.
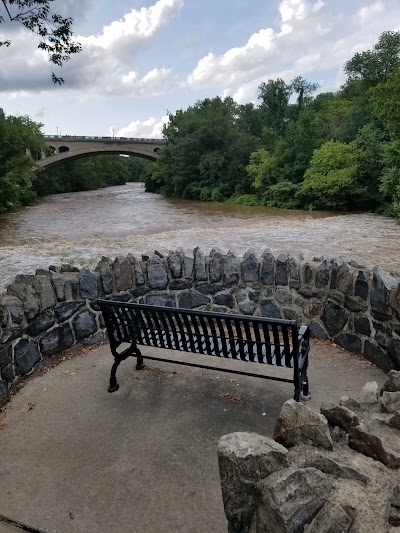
17,135
54,31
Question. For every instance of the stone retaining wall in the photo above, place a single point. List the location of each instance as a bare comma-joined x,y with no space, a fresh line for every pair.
55,309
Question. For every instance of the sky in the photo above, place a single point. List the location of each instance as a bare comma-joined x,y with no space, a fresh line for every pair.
143,59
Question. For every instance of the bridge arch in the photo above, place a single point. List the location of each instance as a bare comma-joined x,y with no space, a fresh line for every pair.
58,159
68,148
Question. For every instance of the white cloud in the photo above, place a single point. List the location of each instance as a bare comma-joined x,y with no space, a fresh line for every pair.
368,12
136,26
313,36
106,63
151,128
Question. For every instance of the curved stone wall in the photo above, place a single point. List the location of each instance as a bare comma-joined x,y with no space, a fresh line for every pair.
55,309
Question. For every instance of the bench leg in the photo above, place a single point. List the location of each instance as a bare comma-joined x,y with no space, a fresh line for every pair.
139,361
113,378
304,377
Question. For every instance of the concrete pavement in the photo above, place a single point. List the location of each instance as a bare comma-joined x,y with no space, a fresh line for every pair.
74,458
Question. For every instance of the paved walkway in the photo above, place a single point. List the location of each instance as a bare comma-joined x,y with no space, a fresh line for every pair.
74,458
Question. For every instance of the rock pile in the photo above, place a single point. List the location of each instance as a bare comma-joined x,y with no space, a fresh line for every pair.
334,472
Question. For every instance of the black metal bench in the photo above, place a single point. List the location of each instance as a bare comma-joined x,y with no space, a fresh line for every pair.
230,336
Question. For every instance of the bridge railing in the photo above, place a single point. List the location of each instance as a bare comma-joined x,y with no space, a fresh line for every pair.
95,138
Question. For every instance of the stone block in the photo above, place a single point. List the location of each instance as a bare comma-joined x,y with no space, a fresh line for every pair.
369,393
313,308
283,297
291,498
372,445
84,324
157,273
361,288
334,517
349,341
175,264
393,350
294,269
308,292
231,269
88,284
382,285
208,288
268,268
56,340
42,323
65,310
140,278
106,278
250,267
270,309
376,355
317,331
247,308
224,298
188,263
344,280
140,291
244,459
322,275
161,300
3,390
355,304
6,357
192,299
394,421
58,282
307,274
24,291
362,325
392,382
299,424
26,355
123,272
334,317
215,266
180,284
282,270
330,464
390,402
200,273
338,415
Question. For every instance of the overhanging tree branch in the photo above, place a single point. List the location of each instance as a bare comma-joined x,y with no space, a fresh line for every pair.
54,31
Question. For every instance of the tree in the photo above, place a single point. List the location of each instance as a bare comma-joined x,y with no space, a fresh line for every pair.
373,66
385,101
54,31
17,134
274,97
304,89
331,180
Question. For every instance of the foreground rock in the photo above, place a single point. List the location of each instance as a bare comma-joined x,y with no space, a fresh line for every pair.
316,485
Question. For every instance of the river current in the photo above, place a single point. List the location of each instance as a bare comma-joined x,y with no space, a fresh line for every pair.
126,219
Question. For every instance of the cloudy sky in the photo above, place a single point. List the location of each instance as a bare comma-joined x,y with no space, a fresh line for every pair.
144,58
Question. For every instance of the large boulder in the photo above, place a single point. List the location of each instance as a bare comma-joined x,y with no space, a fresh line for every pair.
299,424
291,498
245,459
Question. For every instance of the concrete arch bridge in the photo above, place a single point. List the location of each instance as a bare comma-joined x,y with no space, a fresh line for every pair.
69,147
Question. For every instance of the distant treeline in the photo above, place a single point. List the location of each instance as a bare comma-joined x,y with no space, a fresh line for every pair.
338,150
90,173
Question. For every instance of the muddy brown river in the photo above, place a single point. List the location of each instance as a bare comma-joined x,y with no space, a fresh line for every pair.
81,227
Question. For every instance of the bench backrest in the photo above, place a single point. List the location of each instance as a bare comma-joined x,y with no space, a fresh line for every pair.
250,338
